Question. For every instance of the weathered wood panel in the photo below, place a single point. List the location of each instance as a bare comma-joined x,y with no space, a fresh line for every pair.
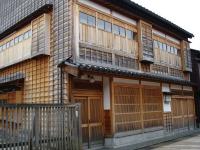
127,108
36,82
92,115
137,107
16,47
183,111
152,106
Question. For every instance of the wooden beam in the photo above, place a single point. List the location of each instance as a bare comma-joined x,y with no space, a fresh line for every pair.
71,70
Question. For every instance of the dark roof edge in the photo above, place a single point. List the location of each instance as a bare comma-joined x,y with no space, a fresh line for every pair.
153,17
126,73
44,9
195,50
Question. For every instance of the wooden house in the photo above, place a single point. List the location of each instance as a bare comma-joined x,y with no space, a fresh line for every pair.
127,66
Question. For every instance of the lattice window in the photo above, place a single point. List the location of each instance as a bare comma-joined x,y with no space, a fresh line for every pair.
130,109
92,55
145,67
127,108
168,122
147,42
187,57
158,69
152,106
126,62
176,73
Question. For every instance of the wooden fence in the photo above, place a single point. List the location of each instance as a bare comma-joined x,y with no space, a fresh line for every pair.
40,126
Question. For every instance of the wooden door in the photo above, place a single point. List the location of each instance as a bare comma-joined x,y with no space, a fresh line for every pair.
92,117
183,113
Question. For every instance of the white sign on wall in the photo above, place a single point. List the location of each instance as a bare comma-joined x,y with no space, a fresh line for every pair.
167,103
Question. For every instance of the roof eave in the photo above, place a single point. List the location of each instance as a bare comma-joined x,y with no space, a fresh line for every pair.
154,18
44,9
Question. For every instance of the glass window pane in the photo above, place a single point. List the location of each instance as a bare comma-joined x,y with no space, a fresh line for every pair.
83,18
29,33
0,48
129,34
116,29
101,24
21,37
26,36
91,20
172,49
16,40
175,51
168,48
12,43
122,32
108,26
4,46
7,44
160,45
164,47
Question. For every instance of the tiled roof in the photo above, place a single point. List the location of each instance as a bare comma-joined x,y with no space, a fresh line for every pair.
127,73
153,17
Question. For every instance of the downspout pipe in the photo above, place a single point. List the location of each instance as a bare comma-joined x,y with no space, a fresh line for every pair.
61,65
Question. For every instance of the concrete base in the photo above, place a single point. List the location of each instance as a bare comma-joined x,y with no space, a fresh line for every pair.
146,139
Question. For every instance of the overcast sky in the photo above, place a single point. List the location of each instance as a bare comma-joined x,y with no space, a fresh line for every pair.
184,13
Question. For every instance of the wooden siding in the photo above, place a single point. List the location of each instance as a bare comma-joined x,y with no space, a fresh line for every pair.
41,35
137,107
153,107
60,39
17,52
183,112
36,82
127,108
110,42
28,42
183,108
15,97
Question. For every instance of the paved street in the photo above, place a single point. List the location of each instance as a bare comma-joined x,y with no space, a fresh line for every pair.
188,143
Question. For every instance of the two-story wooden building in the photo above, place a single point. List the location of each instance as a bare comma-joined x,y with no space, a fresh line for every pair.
127,66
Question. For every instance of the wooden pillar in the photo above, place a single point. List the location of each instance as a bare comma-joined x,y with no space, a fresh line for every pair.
112,106
141,107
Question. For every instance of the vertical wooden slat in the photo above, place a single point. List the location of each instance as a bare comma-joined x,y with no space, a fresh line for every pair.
32,127
141,108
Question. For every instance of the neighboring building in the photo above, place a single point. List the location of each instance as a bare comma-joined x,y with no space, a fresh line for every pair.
128,67
195,78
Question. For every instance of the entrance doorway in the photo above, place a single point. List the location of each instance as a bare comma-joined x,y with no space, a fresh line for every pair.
92,113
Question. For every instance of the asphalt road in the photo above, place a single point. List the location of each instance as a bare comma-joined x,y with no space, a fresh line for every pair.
188,143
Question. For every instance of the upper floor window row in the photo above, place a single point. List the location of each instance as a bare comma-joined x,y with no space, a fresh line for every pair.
165,47
16,40
87,19
106,26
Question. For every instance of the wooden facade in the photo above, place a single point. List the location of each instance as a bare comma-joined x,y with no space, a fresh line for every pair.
144,89
35,87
